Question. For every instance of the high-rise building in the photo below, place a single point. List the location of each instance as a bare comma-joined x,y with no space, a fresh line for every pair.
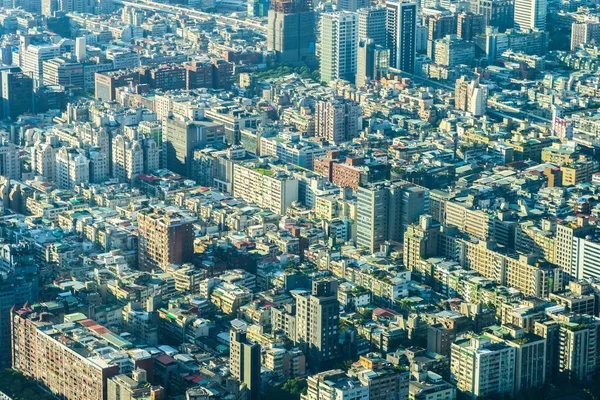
17,94
33,55
181,136
384,212
567,235
480,367
469,25
584,33
72,168
136,386
401,24
339,39
371,25
440,25
337,120
496,13
291,30
20,285
127,158
165,237
470,96
244,362
531,14
317,322
372,62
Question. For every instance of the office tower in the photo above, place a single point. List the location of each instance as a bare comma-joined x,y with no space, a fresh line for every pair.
385,210
339,37
531,14
401,23
479,367
61,72
19,285
470,96
181,136
291,31
72,168
469,25
80,49
105,83
317,322
337,120
372,62
17,94
352,5
244,362
371,25
496,13
165,237
578,351
584,33
32,57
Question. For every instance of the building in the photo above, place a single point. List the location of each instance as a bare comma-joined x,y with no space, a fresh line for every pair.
496,13
17,94
244,362
163,77
72,168
32,57
452,51
401,23
317,322
372,62
472,361
383,380
47,353
106,83
127,158
260,185
470,96
334,385
337,120
531,14
352,5
584,33
61,72
371,25
181,136
339,36
43,157
164,237
469,25
290,31
124,387
384,212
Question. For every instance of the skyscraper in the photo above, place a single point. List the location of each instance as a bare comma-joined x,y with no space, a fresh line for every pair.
531,14
291,30
401,24
317,322
244,361
339,37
